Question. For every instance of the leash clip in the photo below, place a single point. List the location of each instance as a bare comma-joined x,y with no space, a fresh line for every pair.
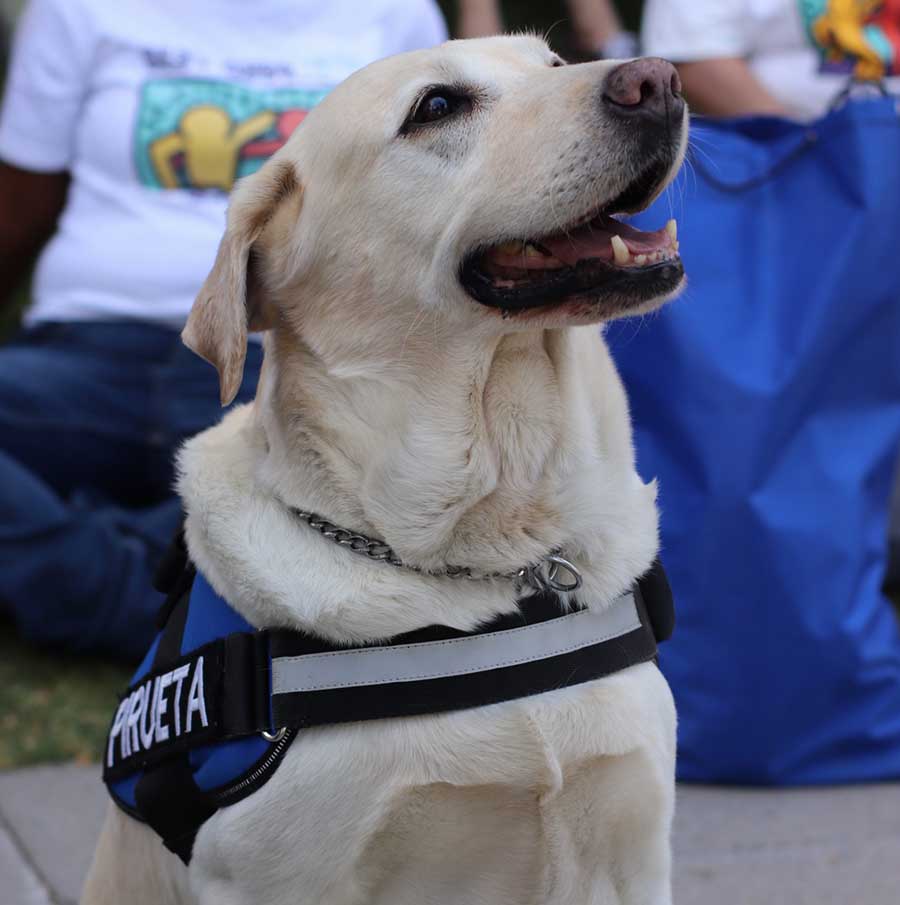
550,575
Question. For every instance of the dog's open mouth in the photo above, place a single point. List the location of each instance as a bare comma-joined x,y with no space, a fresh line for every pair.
597,258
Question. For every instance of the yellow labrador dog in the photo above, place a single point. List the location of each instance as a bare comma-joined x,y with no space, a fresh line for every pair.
430,255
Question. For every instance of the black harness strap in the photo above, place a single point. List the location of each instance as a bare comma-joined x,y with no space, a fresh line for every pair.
654,594
170,802
173,577
231,663
167,797
461,691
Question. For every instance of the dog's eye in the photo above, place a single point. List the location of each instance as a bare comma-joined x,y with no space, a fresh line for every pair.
437,104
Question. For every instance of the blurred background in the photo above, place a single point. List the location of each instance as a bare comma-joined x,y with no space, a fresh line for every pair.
766,401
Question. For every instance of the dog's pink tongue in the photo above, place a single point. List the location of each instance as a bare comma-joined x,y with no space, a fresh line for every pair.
594,240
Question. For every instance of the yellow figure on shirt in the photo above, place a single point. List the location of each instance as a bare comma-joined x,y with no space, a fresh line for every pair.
841,31
211,143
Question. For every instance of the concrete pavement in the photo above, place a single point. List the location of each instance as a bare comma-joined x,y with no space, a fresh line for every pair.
838,846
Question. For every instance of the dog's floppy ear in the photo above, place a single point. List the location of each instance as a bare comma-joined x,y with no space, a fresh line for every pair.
231,301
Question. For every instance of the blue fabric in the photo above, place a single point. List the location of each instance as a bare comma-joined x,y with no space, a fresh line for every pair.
209,617
767,401
90,417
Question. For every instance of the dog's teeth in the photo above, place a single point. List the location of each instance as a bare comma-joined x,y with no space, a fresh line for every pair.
532,252
621,254
672,230
640,260
510,248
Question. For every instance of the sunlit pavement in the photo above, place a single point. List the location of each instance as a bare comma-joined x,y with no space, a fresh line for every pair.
732,846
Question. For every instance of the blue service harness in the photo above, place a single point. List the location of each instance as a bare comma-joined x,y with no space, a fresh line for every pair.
215,704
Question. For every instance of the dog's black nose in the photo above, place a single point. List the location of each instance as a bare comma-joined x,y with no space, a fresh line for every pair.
646,87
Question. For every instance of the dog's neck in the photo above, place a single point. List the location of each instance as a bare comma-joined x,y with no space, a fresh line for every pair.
487,455
424,456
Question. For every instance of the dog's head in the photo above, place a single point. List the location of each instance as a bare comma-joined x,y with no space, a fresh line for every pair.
472,187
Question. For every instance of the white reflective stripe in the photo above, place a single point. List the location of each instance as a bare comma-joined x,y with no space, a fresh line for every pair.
455,656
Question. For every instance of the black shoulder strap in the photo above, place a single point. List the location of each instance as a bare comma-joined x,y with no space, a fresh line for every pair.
167,797
656,594
173,577
170,802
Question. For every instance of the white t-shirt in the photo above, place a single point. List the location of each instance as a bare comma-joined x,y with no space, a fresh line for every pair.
155,107
802,51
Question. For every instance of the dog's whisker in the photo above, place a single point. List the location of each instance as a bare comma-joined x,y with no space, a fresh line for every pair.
550,29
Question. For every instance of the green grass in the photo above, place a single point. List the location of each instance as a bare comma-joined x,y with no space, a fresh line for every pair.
53,706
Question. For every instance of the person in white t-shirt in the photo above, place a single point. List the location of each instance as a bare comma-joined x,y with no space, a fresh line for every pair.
123,127
790,58
782,57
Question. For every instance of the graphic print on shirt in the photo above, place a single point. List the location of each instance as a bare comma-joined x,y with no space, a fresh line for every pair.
857,37
203,134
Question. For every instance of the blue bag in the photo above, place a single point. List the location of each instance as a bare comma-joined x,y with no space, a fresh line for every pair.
767,401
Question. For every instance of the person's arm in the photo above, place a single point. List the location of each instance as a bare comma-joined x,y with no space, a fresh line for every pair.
479,18
710,43
45,85
30,205
595,23
726,87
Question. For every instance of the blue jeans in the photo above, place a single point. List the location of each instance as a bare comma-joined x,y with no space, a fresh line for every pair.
91,415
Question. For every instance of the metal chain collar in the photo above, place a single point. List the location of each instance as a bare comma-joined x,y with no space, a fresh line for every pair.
546,575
